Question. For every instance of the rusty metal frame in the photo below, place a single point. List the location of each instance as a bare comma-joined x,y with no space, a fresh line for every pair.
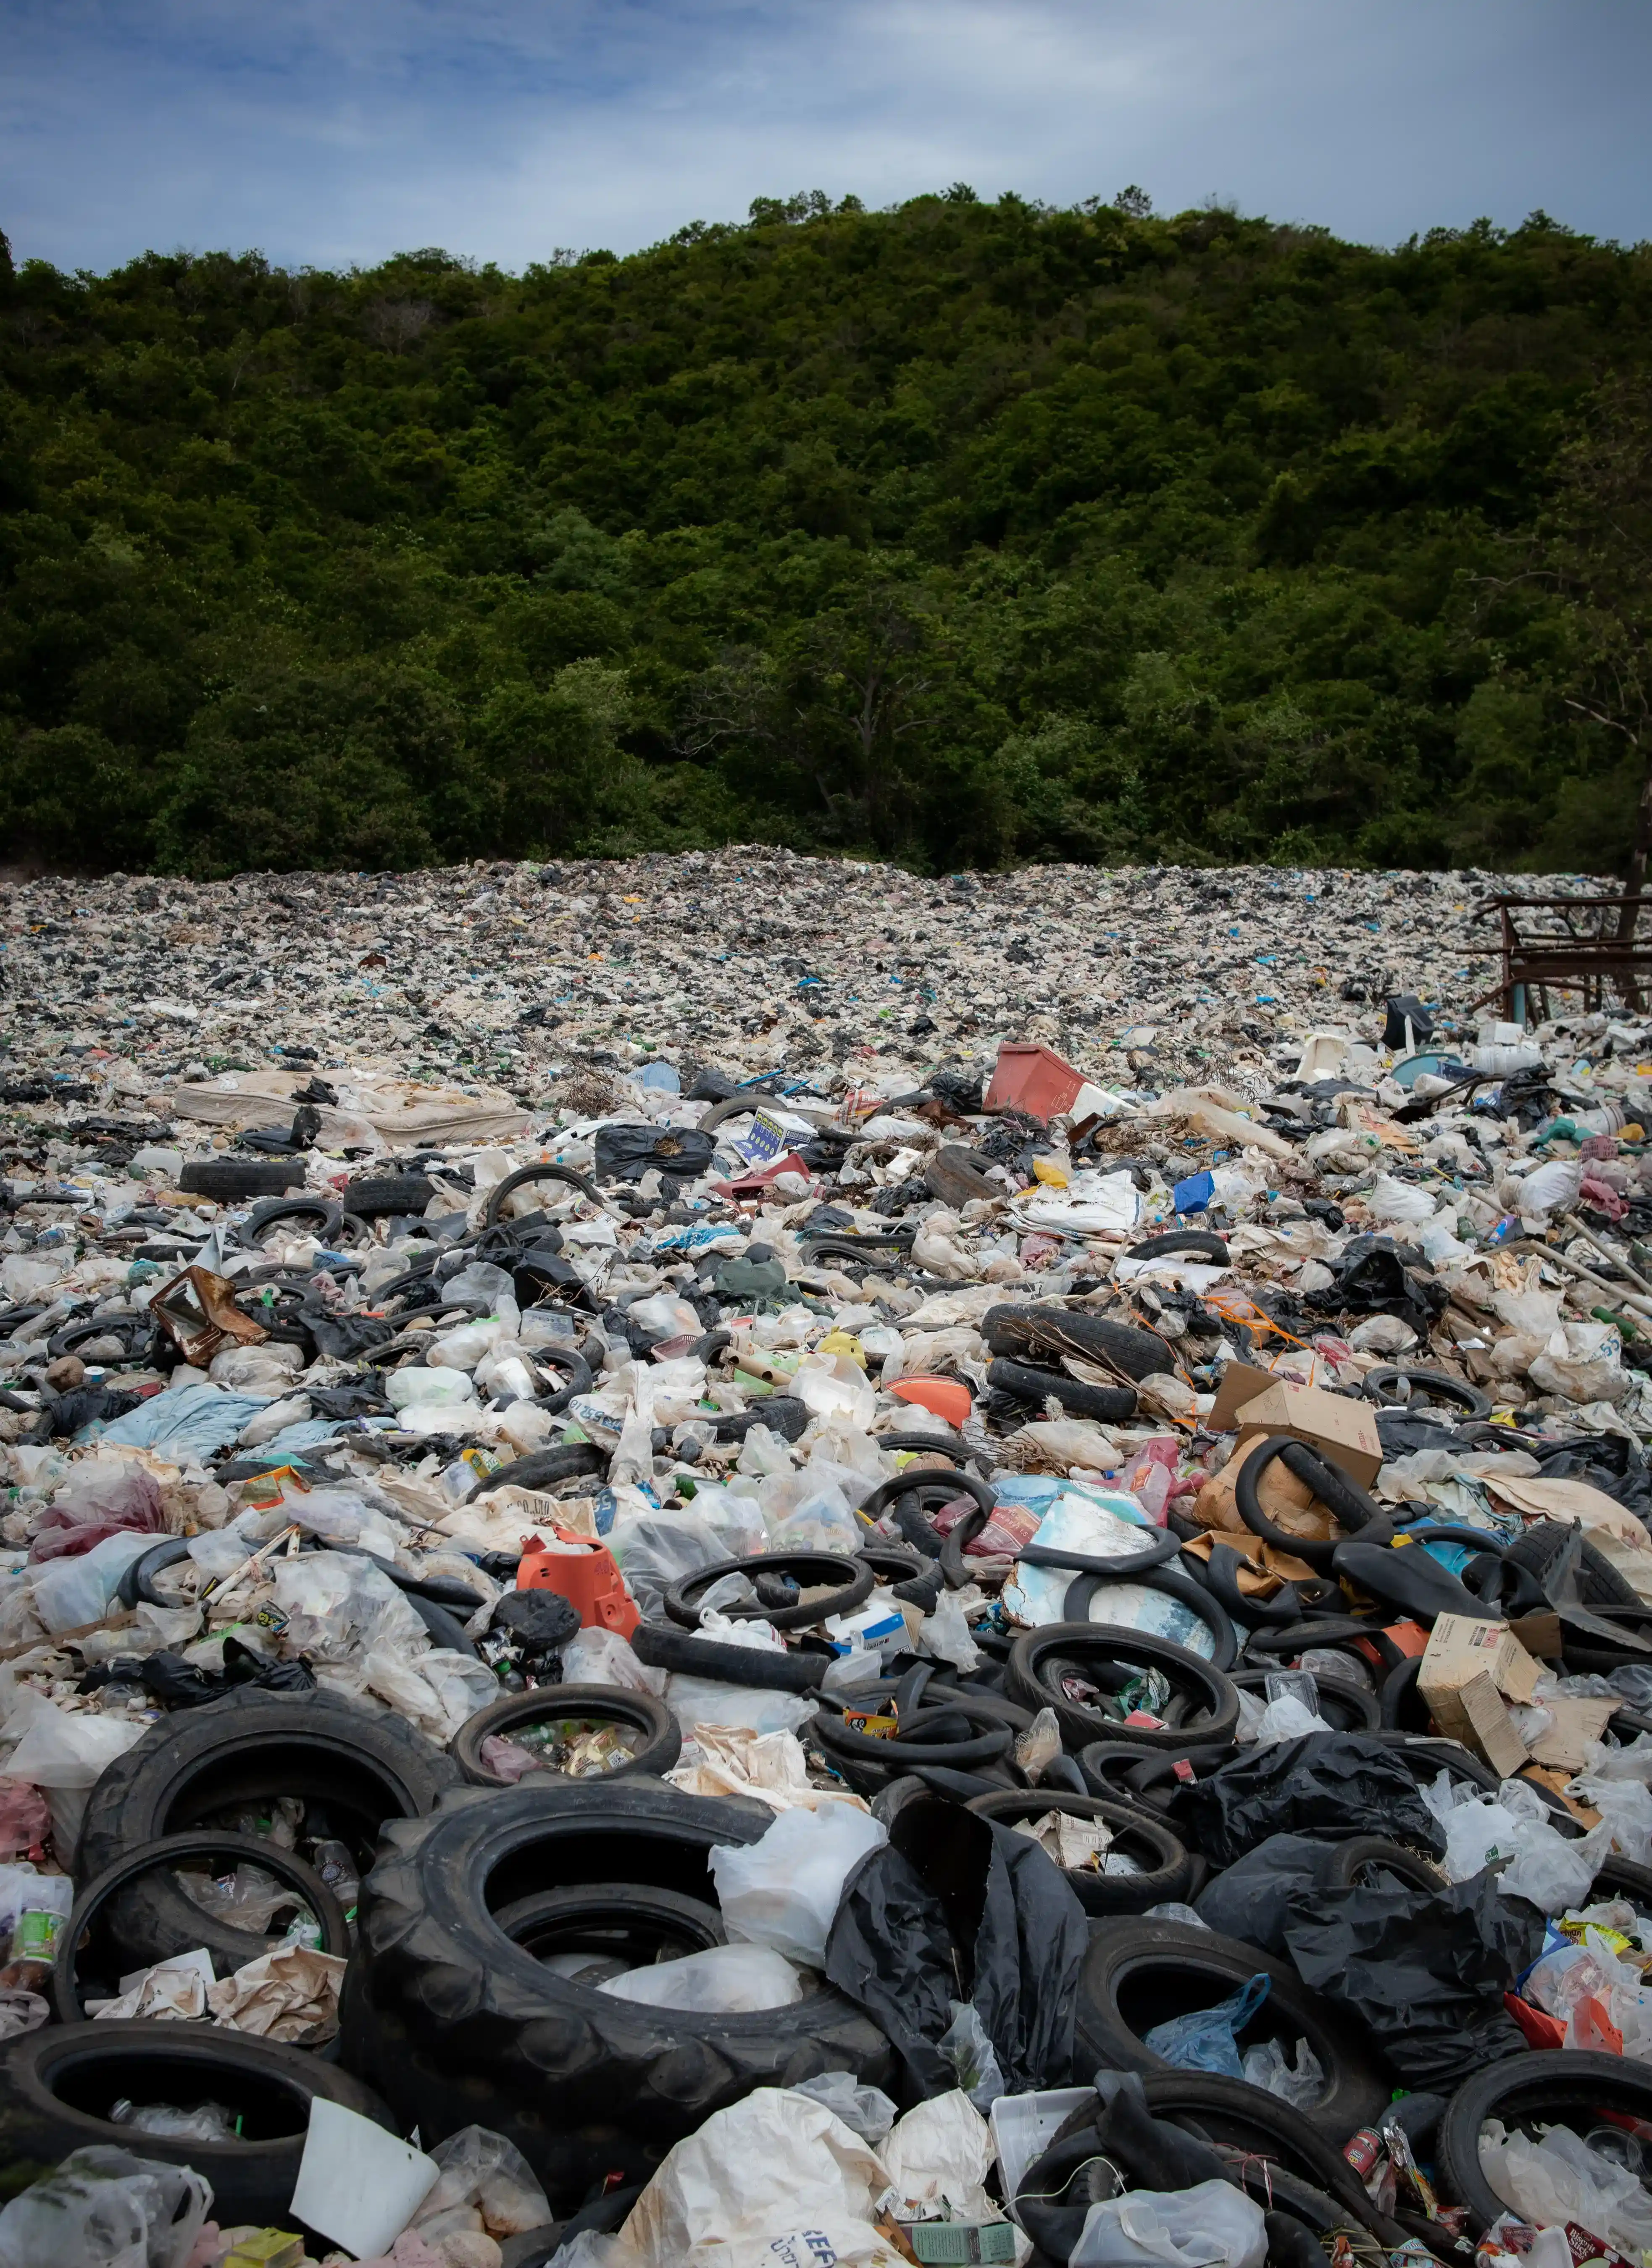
1586,956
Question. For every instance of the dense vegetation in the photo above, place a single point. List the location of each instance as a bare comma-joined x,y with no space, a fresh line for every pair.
961,533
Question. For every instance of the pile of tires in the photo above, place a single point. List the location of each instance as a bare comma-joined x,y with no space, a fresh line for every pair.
453,2014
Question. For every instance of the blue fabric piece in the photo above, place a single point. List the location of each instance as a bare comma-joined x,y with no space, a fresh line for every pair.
1195,1193
189,1426
1206,2040
304,1435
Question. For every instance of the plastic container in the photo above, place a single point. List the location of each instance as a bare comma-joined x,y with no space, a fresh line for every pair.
1034,1079
586,1575
942,1397
1024,2125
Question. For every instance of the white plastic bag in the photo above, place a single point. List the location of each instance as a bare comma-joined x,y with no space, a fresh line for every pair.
105,2207
724,1980
1213,2225
70,1592
1560,2179
784,1890
773,2182
696,1701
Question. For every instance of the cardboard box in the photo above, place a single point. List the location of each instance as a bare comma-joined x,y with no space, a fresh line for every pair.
1577,1724
1343,1431
1470,1671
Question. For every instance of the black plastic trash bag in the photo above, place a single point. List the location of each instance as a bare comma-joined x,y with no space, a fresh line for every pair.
166,1677
1372,1279
1251,1898
956,1907
625,1153
1425,1972
1330,1784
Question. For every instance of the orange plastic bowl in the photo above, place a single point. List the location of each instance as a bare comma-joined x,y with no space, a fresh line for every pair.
946,1397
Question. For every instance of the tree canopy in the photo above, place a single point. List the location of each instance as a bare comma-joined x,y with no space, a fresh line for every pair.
961,533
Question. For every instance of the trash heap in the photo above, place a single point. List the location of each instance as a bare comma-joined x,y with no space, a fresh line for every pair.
996,1645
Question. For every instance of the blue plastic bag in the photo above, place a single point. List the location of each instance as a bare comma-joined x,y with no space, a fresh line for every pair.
1195,1193
1207,2039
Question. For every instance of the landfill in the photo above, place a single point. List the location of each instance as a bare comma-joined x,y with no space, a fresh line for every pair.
737,1559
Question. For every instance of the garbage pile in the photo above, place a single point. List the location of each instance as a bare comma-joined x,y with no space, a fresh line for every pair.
742,1653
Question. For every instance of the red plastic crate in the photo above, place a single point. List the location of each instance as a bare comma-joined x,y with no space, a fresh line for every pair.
1034,1079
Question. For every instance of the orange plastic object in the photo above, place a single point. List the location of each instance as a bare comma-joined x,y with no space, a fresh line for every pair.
1034,1079
588,1579
946,1397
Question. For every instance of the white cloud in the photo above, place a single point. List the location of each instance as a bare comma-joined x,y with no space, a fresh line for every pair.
500,128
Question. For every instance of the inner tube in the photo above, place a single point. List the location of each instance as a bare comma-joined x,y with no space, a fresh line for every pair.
1204,1241
542,1467
1347,1503
546,1172
851,1580
1174,1585
1379,1386
1108,1405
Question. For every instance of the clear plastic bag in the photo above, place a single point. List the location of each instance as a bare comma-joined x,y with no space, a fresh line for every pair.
105,2207
1300,2082
1214,2225
866,2110
696,1701
724,1980
968,2047
1206,2039
1561,2179
481,2169
784,1890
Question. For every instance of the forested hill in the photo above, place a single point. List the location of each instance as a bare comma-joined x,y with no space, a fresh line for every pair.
960,533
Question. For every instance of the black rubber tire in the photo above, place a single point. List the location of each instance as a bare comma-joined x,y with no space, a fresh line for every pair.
919,1442
1598,1582
1346,1706
125,1324
546,1172
1202,1240
1349,1860
1232,2112
1566,2087
1022,1333
138,1583
57,2084
674,1925
230,1181
573,1366
1346,1502
1156,1554
1622,1878
891,1562
844,1746
1194,1968
1378,1383
1174,1585
1125,1772
434,1974
662,1646
1401,1705
939,1487
1028,1682
173,1850
1167,1877
378,1195
324,1210
853,1580
542,1467
1108,1405
249,1747
613,1704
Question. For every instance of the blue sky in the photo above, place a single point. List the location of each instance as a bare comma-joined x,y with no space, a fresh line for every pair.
330,131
